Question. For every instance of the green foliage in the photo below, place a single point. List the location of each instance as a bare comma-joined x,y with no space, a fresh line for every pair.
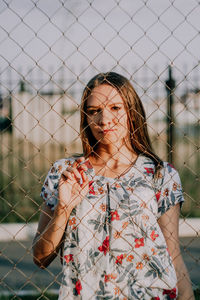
191,187
197,294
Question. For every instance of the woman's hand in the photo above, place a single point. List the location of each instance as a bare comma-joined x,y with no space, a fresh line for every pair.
73,185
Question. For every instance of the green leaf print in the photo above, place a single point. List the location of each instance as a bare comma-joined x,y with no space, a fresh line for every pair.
125,273
173,199
100,224
156,269
159,264
149,273
124,216
123,206
102,293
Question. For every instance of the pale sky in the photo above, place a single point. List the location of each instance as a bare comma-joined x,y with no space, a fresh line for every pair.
134,37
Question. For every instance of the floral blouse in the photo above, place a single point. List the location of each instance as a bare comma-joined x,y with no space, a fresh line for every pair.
114,247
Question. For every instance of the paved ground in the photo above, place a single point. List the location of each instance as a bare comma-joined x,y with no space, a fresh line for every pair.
18,273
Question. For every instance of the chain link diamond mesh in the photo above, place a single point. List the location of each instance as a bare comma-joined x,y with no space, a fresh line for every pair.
49,50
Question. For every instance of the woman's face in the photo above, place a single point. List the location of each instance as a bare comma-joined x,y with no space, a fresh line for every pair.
106,115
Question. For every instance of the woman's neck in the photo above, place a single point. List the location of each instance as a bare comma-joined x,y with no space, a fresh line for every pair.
113,157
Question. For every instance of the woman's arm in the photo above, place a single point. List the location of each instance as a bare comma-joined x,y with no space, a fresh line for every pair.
49,235
73,186
169,224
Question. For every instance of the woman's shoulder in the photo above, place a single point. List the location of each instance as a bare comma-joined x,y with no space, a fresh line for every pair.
171,174
165,169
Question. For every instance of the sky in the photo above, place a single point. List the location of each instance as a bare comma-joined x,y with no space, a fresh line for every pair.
64,43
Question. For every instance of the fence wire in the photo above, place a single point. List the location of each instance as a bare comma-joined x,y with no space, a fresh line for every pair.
49,51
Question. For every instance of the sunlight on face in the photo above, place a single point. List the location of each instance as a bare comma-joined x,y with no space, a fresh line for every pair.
106,115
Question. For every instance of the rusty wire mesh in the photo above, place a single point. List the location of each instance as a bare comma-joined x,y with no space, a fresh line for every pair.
49,51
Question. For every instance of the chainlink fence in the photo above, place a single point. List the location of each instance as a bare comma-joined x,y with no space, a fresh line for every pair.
49,50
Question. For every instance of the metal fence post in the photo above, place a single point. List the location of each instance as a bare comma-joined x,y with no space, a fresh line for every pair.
170,87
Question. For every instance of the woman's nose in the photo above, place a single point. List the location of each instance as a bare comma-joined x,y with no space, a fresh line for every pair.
105,117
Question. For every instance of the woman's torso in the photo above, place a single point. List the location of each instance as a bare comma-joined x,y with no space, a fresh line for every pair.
114,248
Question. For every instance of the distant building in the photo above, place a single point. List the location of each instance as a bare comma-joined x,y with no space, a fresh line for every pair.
54,118
45,118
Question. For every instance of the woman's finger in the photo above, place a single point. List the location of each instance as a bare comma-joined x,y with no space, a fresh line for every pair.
76,173
77,162
82,167
67,177
85,162
84,177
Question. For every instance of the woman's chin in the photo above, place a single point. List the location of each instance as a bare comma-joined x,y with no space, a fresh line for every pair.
116,142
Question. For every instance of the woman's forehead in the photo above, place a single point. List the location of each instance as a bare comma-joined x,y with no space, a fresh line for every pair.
104,94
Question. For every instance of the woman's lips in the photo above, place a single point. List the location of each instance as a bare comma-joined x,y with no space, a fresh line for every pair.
107,130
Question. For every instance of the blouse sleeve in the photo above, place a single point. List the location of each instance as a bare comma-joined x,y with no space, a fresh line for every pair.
170,192
49,191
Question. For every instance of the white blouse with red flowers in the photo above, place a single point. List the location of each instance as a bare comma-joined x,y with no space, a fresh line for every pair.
114,247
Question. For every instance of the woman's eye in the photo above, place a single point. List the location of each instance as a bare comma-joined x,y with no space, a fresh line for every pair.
116,108
92,112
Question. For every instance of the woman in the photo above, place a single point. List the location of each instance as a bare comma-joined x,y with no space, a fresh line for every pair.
115,210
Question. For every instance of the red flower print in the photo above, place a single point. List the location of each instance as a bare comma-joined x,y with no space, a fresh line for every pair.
78,287
117,185
139,266
103,207
149,170
119,259
153,251
156,298
101,190
117,291
154,235
114,215
113,276
166,192
91,188
105,246
69,258
158,195
139,242
72,221
170,293
130,258
107,278
145,257
175,185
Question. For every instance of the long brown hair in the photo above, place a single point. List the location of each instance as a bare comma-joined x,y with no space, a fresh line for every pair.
137,125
